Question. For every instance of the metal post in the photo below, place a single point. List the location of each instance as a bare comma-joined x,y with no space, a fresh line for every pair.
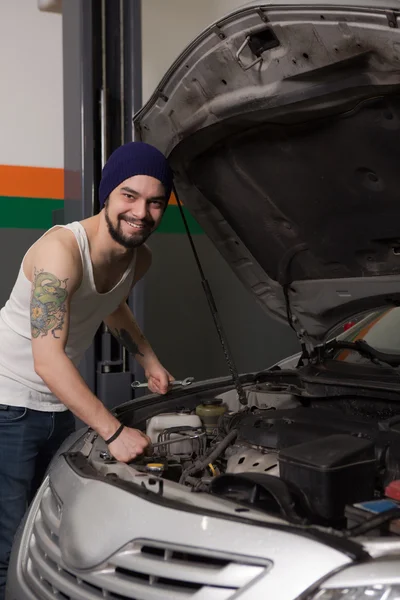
80,51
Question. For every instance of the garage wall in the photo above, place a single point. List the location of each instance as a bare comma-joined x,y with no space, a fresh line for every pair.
31,125
31,102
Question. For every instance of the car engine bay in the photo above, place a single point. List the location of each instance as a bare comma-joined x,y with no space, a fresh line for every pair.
326,463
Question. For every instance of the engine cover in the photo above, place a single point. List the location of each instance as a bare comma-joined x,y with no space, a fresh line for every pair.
277,429
334,457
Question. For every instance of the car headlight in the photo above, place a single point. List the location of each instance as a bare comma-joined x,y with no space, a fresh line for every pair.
375,592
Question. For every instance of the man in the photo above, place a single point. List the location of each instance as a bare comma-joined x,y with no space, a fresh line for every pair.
70,280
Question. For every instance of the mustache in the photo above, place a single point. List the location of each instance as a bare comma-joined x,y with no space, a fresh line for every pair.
145,222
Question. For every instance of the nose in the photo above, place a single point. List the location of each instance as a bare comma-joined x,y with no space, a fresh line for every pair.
140,209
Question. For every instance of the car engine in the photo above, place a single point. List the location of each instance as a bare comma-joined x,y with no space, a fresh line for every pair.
319,463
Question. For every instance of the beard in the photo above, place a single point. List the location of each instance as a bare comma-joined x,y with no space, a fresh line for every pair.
133,240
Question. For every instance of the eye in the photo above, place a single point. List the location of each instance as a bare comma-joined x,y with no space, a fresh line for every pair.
157,203
129,196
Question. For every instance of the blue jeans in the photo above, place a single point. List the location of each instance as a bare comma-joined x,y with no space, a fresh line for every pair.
28,441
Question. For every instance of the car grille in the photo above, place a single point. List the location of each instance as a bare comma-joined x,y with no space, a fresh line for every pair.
143,570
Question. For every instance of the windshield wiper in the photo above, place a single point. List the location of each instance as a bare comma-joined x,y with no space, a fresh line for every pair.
366,350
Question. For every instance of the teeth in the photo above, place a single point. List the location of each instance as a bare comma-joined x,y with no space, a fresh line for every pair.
133,225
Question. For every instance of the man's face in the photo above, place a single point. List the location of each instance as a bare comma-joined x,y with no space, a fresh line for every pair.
134,210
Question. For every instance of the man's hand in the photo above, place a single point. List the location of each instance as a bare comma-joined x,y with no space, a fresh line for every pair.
129,444
158,378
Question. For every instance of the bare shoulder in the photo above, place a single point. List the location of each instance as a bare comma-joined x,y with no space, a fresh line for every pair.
56,253
143,261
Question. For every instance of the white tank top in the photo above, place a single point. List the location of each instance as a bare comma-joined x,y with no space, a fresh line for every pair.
19,383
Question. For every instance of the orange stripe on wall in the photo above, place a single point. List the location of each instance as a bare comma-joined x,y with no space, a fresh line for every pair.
36,182
31,182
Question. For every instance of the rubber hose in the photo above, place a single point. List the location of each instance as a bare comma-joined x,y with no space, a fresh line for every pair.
200,465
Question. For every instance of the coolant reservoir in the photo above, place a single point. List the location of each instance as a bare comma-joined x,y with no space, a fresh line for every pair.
158,424
210,412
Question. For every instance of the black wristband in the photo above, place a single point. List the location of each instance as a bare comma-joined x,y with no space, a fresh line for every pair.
115,435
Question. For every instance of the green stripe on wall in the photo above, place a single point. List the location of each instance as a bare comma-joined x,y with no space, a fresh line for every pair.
37,213
27,213
172,221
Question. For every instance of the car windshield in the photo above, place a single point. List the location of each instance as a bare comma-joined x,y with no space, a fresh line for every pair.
379,329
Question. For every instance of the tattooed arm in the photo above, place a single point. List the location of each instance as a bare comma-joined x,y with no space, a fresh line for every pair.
124,327
55,271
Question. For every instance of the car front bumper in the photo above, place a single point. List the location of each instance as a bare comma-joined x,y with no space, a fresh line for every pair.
85,539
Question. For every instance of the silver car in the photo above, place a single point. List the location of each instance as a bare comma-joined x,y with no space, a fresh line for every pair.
282,124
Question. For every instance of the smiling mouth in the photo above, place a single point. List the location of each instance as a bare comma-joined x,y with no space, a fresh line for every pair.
135,226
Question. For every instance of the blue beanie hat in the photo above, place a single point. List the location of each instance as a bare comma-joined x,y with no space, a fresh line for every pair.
134,158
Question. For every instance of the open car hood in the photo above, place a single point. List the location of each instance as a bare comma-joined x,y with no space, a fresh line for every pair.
282,125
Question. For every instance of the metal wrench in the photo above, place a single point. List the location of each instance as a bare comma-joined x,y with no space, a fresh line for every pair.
184,438
183,382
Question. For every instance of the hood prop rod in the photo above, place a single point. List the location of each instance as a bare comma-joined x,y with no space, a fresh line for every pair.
214,311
